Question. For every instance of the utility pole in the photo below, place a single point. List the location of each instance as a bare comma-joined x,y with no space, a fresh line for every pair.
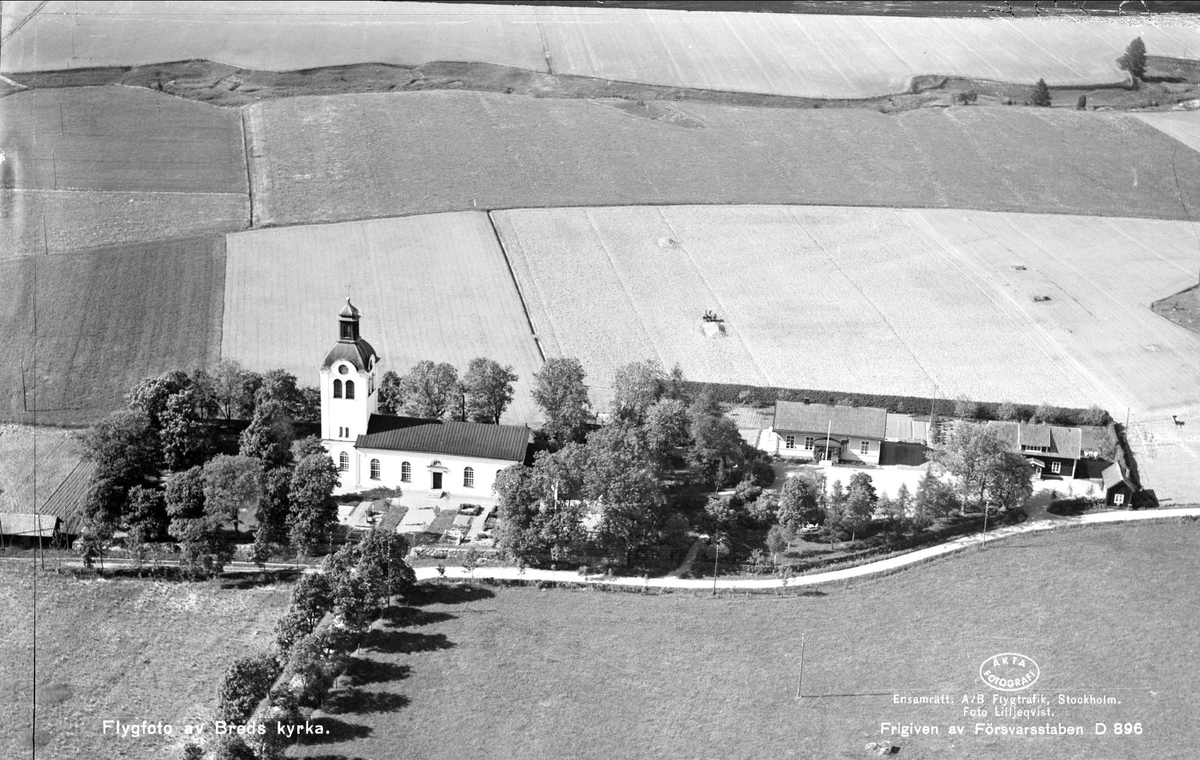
800,678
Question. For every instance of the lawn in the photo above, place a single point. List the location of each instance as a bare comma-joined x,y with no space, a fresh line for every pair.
355,156
811,55
432,287
105,319
523,673
120,650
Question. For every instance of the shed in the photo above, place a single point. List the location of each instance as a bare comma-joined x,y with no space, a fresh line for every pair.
1118,491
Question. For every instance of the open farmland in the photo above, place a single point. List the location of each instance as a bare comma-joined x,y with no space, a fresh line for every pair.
873,300
434,287
1184,126
373,155
120,650
95,166
105,319
584,674
778,53
58,454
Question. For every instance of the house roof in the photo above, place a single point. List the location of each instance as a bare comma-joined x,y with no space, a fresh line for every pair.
1114,476
904,427
858,421
465,439
66,502
19,524
1062,441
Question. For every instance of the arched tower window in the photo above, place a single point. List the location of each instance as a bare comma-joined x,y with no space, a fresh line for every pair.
374,469
349,389
406,472
344,462
337,388
469,477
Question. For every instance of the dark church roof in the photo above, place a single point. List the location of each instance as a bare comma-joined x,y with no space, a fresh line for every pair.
465,439
359,353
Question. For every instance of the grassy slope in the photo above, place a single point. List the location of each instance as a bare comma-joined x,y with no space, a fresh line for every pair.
128,650
531,674
368,155
106,319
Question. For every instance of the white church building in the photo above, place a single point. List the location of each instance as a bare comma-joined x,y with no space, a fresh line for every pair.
458,460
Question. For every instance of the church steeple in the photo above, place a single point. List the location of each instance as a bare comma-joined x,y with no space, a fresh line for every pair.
348,323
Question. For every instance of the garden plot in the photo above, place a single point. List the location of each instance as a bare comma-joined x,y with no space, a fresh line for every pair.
105,319
336,158
923,303
790,54
433,287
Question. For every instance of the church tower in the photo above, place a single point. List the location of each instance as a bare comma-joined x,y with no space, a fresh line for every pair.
348,391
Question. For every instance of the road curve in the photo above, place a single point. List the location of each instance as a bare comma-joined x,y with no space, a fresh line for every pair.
882,567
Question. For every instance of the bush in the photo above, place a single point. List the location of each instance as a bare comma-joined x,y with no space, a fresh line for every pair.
966,98
1075,506
760,473
245,684
1081,103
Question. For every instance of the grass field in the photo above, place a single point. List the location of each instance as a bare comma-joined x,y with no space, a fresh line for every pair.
1184,126
97,166
57,455
433,287
120,650
105,319
809,55
522,673
374,155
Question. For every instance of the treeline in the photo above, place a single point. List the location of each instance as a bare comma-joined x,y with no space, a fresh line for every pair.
601,489
435,390
160,477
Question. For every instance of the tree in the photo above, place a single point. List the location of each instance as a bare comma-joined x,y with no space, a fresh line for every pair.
273,509
430,390
860,502
621,484
231,484
934,498
313,511
232,389
967,97
309,444
183,436
1134,59
715,456
1008,411
1011,483
381,561
124,448
563,398
965,408
269,435
541,508
837,517
203,388
800,501
244,685
1081,104
1041,94
720,512
198,530
667,427
391,394
354,602
146,520
489,390
151,394
970,455
637,386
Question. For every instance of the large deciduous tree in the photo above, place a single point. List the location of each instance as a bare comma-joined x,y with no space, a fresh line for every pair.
313,510
198,531
231,484
150,396
431,390
637,386
1011,482
233,388
124,448
716,456
488,388
563,398
391,393
971,455
860,502
269,435
184,438
801,501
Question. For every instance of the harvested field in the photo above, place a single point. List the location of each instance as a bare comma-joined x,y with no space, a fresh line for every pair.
1184,126
434,287
123,650
872,300
99,166
57,456
585,674
105,319
788,54
374,155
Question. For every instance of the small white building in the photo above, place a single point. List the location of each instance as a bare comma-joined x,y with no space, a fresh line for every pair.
826,432
458,460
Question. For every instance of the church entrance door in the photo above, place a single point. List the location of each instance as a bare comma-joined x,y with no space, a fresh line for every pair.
437,481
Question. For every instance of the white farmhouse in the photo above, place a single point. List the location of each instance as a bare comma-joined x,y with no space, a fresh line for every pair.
450,459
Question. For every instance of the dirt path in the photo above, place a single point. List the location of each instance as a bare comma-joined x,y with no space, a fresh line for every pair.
882,567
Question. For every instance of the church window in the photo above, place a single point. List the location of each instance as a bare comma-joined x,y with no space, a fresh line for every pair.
337,388
469,477
344,462
349,389
406,472
374,469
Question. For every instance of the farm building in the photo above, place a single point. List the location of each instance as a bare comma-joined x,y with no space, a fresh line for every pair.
1118,491
826,432
440,459
29,528
1053,451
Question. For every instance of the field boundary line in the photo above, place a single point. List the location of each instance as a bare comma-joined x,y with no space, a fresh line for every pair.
246,162
257,175
512,275
879,568
24,21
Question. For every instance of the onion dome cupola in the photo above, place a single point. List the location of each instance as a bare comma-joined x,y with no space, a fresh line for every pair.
350,346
